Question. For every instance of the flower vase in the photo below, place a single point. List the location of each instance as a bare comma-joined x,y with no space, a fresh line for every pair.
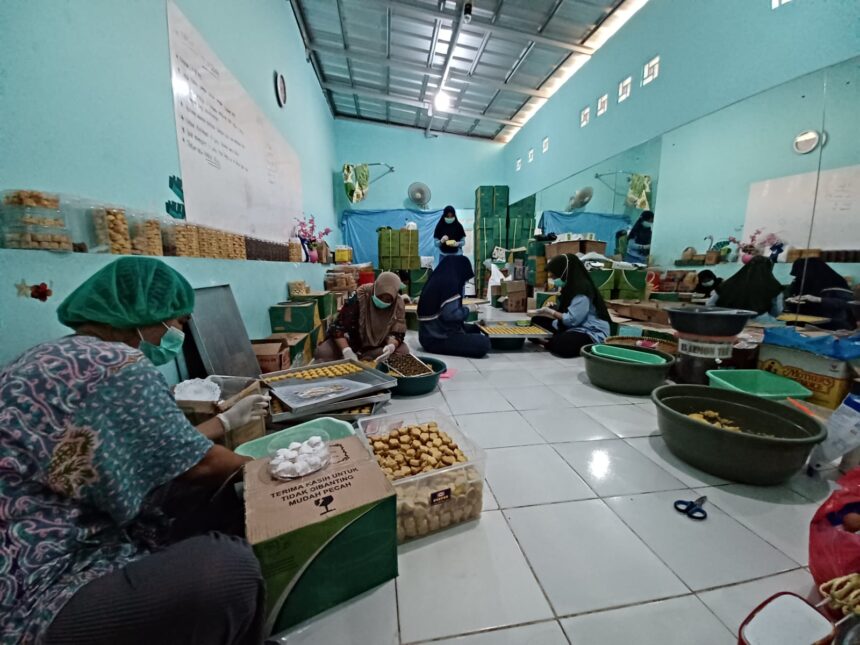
313,255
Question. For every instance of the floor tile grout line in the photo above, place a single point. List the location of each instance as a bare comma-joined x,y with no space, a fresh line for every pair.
486,630
397,606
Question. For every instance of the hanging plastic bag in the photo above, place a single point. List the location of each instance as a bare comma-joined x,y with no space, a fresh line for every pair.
833,551
496,276
843,433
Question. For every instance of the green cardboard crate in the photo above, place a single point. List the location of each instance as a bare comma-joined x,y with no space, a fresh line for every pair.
545,298
603,279
388,241
326,302
301,347
483,201
523,208
324,538
537,249
631,279
500,200
294,317
410,264
390,263
408,243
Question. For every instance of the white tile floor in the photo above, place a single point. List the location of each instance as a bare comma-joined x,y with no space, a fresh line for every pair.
578,543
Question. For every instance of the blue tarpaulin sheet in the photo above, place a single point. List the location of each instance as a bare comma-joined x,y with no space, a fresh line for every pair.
359,230
845,349
603,225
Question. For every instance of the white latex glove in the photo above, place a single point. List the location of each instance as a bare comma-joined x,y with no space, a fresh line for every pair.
251,407
546,311
388,350
472,308
808,298
348,354
443,239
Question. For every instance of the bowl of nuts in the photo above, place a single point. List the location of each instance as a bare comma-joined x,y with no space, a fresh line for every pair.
415,375
437,472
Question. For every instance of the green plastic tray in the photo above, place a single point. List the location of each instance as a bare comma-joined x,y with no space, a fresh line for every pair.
259,448
758,383
628,355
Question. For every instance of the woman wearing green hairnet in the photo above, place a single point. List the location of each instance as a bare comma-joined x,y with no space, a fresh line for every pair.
93,452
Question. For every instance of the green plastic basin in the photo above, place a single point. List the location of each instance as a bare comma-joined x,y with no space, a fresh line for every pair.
736,456
623,376
418,385
758,383
627,355
259,448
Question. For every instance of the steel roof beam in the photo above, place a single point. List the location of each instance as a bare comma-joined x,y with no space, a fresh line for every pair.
342,88
479,25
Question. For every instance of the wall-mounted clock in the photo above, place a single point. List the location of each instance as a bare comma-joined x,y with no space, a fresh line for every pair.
280,89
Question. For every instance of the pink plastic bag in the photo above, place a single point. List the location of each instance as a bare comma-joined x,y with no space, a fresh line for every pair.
833,551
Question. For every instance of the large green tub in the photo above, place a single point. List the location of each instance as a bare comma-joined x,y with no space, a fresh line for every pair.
736,456
625,377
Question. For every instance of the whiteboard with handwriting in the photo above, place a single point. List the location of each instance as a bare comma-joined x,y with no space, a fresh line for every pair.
808,210
238,172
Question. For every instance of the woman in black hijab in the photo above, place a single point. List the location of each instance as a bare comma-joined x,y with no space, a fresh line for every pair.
639,239
449,236
753,288
580,316
707,282
442,327
817,290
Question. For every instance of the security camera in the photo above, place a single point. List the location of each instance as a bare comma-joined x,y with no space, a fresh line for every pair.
467,12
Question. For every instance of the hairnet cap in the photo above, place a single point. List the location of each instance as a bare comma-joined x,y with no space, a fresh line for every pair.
131,292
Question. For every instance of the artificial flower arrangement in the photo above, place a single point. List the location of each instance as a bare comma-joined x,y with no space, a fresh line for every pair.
306,231
757,245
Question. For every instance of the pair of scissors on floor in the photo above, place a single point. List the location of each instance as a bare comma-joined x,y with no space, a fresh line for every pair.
693,509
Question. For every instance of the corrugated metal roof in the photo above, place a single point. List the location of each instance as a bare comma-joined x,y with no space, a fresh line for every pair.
385,60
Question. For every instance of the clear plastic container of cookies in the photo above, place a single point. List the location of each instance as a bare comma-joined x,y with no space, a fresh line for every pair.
110,230
145,233
33,220
42,238
439,498
180,239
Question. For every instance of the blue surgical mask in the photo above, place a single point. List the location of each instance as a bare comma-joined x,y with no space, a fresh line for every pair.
450,220
379,303
558,283
166,350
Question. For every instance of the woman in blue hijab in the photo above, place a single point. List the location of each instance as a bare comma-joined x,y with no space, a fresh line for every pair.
639,239
442,327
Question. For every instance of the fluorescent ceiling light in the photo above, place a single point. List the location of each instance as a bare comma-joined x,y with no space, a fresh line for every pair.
442,101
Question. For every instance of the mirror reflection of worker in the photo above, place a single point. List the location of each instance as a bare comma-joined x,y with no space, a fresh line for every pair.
580,316
639,239
817,290
371,324
449,236
706,282
753,288
108,531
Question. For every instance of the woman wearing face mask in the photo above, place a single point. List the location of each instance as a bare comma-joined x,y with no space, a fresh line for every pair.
94,454
818,290
442,316
639,239
449,236
580,316
707,281
370,324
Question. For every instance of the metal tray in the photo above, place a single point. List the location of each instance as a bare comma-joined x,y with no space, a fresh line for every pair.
367,381
375,409
332,410
514,333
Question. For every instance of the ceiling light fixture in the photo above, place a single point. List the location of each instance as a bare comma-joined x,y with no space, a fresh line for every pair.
442,101
467,12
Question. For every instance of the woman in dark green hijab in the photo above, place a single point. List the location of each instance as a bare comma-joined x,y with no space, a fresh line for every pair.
579,317
753,288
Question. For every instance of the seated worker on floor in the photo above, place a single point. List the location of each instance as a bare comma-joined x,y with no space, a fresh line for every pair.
580,316
706,283
817,290
753,288
442,327
107,533
370,324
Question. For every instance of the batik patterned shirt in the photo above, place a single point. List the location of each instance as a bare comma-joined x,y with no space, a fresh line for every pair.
88,430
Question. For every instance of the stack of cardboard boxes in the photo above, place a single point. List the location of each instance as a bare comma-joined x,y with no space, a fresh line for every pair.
514,296
536,264
398,249
491,229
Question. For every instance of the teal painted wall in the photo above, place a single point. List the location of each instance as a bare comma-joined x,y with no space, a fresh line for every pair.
452,166
712,54
87,109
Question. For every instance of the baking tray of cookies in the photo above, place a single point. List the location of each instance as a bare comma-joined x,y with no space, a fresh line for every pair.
339,410
313,387
512,330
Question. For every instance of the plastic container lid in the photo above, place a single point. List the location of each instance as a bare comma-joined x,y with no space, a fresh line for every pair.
259,448
758,383
628,355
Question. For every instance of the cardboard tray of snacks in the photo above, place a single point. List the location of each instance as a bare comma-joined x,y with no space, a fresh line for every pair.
339,410
309,389
438,499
